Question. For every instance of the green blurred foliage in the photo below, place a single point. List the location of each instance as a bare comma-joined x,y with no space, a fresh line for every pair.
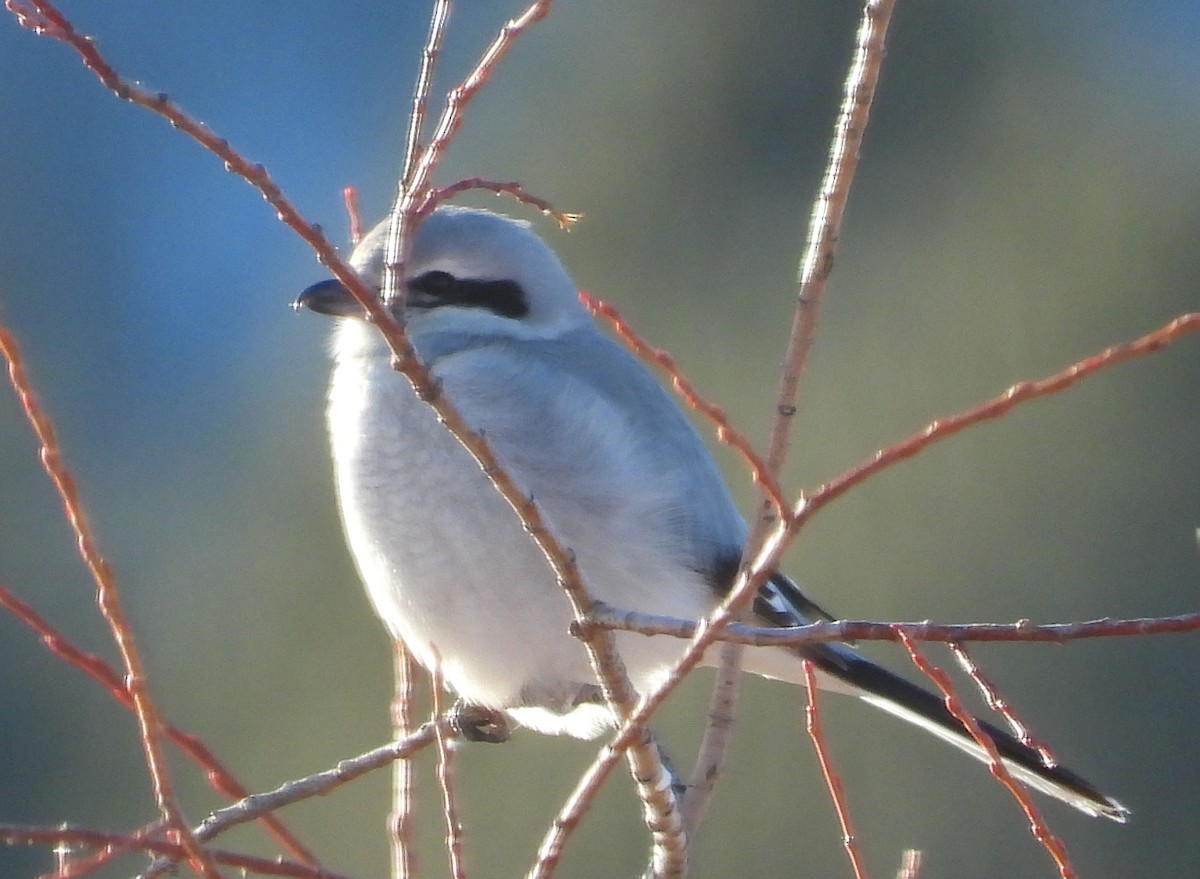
1029,193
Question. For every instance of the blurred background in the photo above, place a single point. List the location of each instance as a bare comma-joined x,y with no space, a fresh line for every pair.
1029,193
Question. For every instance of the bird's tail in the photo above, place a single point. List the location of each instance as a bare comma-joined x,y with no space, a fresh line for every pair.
910,702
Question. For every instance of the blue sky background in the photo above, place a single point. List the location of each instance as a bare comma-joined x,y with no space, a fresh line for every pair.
1029,192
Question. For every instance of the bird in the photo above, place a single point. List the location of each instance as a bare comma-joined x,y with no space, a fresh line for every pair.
621,476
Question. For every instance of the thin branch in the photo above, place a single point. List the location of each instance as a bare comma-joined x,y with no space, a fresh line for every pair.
350,200
837,793
445,777
401,820
910,864
429,57
251,807
814,270
997,407
999,704
65,834
451,119
150,725
93,666
822,632
569,817
1037,825
825,226
564,219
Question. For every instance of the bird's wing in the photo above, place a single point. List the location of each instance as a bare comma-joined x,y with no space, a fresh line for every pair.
578,416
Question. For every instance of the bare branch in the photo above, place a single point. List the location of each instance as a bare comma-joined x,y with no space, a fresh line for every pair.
150,724
512,188
445,777
864,630
833,782
999,704
1037,824
93,666
726,432
429,56
65,834
997,407
347,770
400,822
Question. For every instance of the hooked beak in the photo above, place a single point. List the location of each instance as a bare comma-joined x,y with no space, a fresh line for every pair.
329,297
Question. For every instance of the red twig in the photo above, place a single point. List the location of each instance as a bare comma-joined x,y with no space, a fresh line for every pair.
150,725
350,200
812,714
997,407
825,225
1037,825
451,119
726,432
512,188
999,704
429,56
400,822
445,777
93,666
15,834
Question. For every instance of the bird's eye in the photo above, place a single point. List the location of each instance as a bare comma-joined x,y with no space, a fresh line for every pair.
435,283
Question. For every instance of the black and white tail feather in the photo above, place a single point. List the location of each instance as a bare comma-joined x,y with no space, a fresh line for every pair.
782,603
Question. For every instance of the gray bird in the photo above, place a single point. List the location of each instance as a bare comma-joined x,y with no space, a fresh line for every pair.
620,474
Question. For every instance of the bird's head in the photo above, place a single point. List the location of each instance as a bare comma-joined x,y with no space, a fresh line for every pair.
469,271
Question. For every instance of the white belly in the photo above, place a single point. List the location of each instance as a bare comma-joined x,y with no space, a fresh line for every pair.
453,575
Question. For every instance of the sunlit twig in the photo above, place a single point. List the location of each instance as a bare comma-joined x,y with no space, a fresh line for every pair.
445,777
999,704
833,782
815,267
96,668
1037,824
150,725
251,807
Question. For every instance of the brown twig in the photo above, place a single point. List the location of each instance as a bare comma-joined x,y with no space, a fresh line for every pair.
825,227
837,793
401,819
569,817
350,200
512,188
445,777
251,807
999,704
150,725
420,102
93,666
1037,825
416,182
65,834
997,407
